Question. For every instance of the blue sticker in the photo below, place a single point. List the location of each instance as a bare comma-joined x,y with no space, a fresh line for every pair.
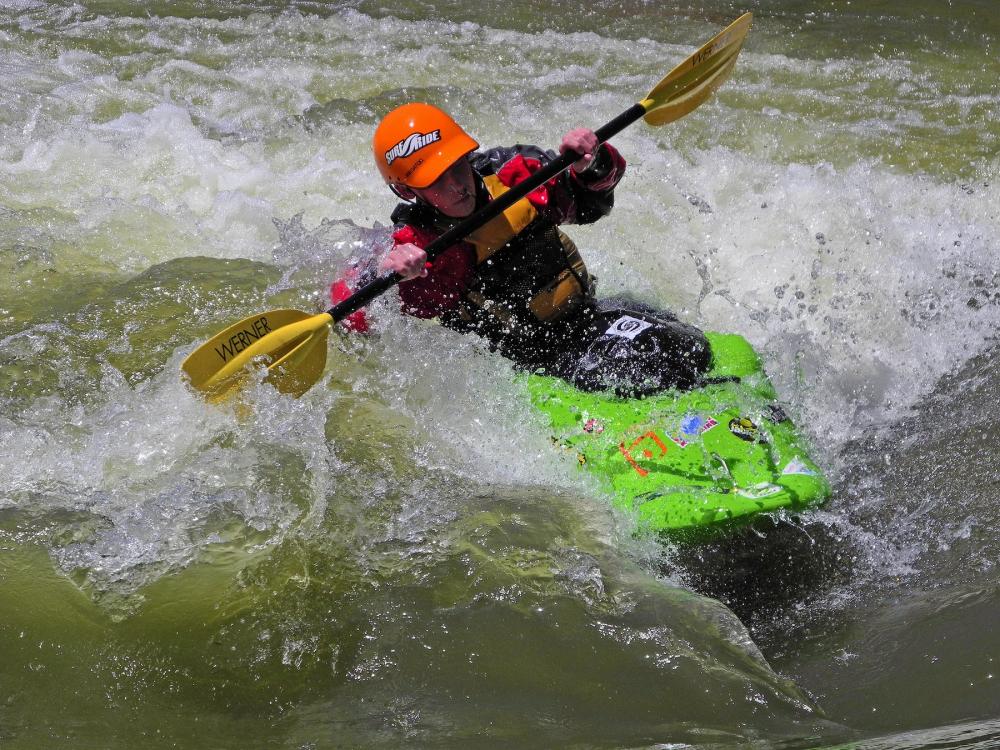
691,426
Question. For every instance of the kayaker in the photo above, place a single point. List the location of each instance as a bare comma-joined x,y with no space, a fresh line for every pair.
518,282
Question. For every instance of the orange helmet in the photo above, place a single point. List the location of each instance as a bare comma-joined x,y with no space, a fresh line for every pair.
415,143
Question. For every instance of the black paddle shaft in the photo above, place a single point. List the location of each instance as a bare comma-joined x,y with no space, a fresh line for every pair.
494,208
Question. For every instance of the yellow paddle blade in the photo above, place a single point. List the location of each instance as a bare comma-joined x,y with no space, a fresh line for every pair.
290,343
302,365
693,81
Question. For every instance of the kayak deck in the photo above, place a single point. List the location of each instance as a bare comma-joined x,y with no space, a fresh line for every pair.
682,461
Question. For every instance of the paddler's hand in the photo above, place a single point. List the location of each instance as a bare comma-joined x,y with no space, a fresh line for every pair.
407,259
581,141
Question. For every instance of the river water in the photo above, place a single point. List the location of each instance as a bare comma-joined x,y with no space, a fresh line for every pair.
399,558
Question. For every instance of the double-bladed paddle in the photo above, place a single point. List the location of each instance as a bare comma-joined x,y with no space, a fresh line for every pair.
293,344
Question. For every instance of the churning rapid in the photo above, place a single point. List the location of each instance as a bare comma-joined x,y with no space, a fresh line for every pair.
400,558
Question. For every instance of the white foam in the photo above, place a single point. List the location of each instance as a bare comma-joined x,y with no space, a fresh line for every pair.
163,472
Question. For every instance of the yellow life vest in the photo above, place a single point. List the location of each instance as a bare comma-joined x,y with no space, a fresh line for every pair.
564,292
501,229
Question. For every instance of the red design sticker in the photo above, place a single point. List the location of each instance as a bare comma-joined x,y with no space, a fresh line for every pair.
647,451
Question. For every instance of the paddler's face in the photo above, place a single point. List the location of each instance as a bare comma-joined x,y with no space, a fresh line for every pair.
453,193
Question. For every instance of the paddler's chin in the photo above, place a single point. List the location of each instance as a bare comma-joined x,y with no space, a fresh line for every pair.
459,208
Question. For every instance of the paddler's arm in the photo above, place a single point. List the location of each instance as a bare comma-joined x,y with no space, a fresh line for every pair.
427,291
592,179
603,172
435,288
404,258
582,194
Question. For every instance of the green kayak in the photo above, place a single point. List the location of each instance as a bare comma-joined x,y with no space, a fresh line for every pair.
692,461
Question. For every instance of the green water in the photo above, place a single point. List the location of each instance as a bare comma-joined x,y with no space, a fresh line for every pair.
399,558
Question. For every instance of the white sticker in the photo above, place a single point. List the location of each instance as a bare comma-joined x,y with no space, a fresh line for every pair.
627,327
797,466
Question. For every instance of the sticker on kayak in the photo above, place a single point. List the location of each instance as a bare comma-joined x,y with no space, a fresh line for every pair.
647,451
775,413
798,466
691,427
627,327
745,429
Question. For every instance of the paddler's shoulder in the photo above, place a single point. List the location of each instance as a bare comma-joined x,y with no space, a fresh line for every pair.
415,214
492,160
